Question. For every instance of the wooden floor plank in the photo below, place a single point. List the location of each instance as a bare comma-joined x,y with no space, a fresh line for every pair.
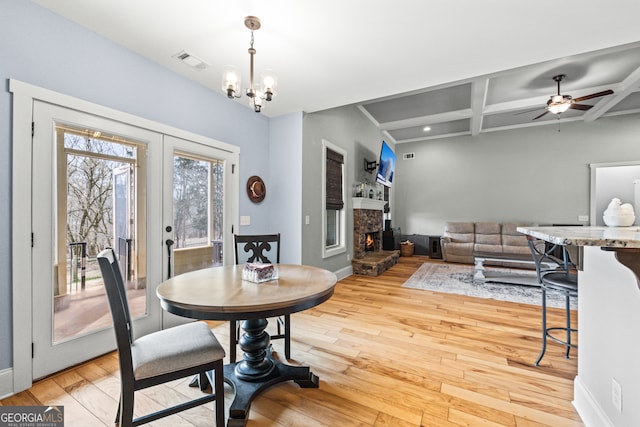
386,356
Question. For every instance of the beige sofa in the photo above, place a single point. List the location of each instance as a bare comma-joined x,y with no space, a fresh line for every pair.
461,240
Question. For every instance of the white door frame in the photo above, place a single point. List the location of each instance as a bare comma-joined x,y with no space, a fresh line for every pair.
24,95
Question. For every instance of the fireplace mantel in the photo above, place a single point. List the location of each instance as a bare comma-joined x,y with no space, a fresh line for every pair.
364,203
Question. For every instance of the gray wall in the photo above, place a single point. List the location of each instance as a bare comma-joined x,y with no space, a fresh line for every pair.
347,128
286,185
538,175
41,48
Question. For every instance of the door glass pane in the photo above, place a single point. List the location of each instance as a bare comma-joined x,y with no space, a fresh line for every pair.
198,196
98,206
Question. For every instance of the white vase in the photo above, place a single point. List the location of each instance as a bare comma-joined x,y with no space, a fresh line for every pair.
618,220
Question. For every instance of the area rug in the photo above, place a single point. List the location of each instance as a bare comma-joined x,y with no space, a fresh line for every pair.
458,279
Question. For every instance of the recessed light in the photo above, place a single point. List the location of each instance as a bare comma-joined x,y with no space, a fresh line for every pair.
426,128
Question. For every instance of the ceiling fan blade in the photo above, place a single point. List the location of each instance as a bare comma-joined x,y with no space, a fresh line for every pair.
580,106
594,95
537,117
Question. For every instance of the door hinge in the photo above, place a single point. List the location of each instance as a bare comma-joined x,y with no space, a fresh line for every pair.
33,350
31,239
231,228
233,168
33,128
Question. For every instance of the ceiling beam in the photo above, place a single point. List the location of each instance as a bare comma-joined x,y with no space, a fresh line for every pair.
479,88
625,88
427,138
427,120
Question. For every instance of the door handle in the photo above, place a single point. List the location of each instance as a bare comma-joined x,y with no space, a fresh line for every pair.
169,243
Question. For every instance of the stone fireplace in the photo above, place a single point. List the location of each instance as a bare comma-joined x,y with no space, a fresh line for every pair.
366,223
368,257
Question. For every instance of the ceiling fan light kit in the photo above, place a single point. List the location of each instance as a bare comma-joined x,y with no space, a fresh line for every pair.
558,104
231,78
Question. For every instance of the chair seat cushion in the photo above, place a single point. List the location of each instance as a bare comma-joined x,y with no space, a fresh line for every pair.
173,349
560,281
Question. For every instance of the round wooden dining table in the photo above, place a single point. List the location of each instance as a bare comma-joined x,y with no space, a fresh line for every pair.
220,293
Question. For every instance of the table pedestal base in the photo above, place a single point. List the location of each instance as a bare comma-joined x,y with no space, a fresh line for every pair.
246,391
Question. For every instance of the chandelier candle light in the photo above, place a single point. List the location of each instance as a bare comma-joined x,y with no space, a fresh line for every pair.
258,92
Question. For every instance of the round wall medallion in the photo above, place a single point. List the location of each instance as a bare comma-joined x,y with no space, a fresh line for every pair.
256,190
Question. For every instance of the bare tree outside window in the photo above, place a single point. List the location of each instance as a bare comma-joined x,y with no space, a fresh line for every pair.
197,200
90,190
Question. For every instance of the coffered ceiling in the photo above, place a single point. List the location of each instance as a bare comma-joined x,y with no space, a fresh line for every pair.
513,98
458,67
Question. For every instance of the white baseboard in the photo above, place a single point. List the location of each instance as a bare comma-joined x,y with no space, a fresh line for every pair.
344,272
6,383
588,408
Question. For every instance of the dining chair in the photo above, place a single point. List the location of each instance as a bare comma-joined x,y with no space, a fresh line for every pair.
263,248
159,357
562,280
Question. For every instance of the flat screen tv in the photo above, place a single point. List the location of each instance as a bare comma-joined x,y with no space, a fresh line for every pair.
386,165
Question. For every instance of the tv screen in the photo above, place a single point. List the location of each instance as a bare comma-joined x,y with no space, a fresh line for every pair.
387,165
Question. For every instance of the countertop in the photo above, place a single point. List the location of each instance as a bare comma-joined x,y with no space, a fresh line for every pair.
611,237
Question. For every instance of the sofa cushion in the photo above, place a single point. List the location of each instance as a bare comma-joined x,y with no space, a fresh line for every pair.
488,238
458,252
512,237
460,232
488,233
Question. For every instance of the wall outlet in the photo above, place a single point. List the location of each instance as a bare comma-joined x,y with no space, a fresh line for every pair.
616,394
583,218
245,220
306,219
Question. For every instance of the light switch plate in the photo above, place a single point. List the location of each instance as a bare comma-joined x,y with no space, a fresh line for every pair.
245,220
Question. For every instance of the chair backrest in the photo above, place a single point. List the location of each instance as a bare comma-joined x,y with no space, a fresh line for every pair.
117,296
264,248
543,254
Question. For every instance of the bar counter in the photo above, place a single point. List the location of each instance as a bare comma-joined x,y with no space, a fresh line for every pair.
608,321
610,237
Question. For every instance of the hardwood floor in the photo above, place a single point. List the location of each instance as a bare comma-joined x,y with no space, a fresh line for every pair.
385,355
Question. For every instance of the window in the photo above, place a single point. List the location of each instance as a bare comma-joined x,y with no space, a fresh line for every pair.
333,200
197,200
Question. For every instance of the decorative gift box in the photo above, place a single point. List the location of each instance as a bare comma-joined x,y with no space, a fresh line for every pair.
258,273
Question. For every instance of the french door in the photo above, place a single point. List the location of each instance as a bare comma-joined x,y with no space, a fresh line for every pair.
91,181
200,194
101,183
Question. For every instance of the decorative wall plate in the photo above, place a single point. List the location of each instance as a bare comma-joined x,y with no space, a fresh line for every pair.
256,190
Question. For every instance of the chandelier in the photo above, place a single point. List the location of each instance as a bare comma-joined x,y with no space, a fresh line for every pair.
263,91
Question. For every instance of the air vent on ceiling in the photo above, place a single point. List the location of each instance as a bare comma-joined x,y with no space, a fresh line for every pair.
408,156
191,61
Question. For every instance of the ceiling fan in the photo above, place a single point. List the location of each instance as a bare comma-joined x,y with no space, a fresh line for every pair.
560,103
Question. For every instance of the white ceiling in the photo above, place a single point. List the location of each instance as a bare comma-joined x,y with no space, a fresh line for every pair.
462,67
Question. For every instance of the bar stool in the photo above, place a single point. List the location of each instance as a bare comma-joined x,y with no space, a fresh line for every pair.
560,281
